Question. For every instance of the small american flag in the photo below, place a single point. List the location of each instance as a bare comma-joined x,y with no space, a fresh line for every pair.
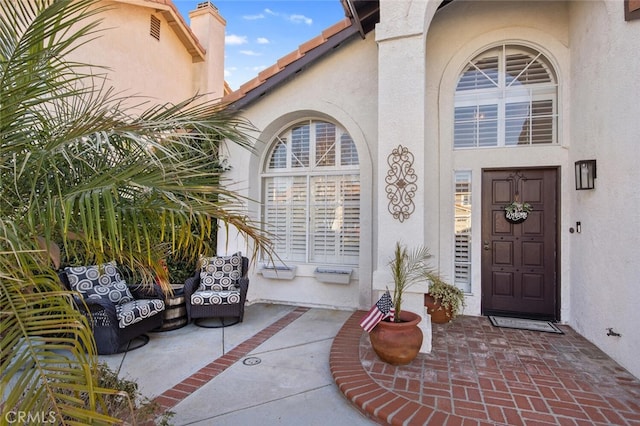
381,310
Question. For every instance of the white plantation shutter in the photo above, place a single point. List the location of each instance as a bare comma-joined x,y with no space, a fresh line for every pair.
285,215
481,74
350,232
506,97
279,155
300,146
462,232
325,215
348,151
335,219
312,195
325,144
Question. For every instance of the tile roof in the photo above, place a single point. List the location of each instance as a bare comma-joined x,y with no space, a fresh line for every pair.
292,62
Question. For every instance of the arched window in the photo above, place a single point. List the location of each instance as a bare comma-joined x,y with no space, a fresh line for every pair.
311,184
506,96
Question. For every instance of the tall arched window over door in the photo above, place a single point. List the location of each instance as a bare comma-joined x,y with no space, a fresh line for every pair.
506,96
311,184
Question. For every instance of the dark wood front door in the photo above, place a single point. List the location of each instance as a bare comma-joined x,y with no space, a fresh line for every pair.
520,260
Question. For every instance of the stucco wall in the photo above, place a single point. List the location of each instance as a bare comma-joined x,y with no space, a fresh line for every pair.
398,89
605,112
469,28
140,65
342,87
209,27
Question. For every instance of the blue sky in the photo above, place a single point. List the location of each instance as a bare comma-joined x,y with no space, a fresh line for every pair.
260,32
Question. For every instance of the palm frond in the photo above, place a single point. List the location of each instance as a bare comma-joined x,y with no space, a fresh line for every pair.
46,346
104,175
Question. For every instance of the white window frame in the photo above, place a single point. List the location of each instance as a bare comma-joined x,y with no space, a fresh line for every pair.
503,94
306,176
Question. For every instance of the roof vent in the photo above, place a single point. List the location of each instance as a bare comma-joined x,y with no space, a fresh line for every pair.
155,28
205,4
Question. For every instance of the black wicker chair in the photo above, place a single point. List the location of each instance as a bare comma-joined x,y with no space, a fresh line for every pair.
217,305
118,327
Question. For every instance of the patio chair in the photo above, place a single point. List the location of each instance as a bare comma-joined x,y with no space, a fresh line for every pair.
218,290
118,313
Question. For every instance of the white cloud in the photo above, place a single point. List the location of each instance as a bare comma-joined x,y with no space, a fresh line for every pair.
300,19
258,68
250,53
295,18
235,40
263,40
228,72
253,17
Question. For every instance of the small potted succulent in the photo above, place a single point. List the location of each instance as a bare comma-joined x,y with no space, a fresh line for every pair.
444,301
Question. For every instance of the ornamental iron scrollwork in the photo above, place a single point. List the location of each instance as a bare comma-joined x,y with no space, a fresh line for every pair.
401,183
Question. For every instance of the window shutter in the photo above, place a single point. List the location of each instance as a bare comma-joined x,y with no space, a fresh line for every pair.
348,151
285,215
525,69
350,232
482,74
335,218
505,97
278,158
326,219
325,144
300,146
476,126
462,232
313,208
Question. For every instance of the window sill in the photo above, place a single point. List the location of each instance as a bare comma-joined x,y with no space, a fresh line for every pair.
278,272
333,275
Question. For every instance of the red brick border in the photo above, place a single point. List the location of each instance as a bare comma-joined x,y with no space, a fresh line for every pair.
171,397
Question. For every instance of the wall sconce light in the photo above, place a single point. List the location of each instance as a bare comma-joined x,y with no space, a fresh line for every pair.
585,174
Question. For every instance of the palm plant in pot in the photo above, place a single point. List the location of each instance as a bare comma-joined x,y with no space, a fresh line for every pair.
398,340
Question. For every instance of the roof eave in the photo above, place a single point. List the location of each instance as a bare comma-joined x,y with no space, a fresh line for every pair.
291,69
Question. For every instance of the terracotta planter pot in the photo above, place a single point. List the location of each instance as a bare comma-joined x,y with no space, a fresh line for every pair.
439,315
397,343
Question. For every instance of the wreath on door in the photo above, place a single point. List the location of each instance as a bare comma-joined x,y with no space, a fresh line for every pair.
517,212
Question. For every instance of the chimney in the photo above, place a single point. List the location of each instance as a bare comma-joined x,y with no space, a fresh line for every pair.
209,27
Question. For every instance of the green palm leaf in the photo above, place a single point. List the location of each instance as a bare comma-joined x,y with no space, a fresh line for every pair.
104,176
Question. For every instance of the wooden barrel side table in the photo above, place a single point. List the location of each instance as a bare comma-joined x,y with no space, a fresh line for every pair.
175,313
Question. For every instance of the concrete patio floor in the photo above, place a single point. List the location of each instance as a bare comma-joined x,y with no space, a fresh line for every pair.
270,369
288,365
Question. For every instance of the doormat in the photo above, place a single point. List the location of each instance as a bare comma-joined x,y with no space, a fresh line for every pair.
525,324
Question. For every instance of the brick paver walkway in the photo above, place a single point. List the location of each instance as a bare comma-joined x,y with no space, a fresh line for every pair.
478,374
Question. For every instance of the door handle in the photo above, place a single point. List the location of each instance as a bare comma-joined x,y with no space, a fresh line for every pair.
486,245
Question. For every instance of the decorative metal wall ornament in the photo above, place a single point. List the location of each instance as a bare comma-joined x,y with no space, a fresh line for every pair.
517,211
401,183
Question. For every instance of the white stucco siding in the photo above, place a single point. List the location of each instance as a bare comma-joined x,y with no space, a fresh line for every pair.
593,51
455,36
209,27
139,64
605,266
341,87
399,89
